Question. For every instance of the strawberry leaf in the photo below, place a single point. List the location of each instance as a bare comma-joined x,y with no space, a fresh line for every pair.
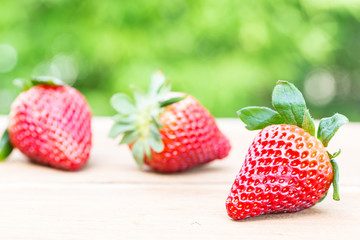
124,119
156,145
155,140
329,126
335,181
308,123
322,199
119,128
5,146
129,137
142,100
122,103
138,152
147,150
289,102
169,101
158,81
47,80
26,84
23,84
157,122
259,117
335,154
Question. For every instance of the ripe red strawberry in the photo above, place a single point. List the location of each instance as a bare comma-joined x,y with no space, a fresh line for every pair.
51,124
286,168
170,132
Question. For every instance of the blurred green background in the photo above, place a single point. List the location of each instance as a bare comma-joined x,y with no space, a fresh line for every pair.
227,53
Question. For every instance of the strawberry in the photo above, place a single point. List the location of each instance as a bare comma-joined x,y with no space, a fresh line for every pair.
51,124
286,169
168,131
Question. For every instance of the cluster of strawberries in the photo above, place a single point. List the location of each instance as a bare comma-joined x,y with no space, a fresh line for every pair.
286,168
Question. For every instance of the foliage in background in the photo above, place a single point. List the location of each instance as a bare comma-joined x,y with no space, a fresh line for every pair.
228,54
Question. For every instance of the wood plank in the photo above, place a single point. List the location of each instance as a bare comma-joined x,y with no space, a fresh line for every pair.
128,211
111,163
112,199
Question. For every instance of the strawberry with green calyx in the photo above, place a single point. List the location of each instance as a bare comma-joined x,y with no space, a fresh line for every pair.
168,131
50,123
286,169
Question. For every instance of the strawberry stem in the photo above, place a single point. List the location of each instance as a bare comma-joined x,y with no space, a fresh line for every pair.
5,146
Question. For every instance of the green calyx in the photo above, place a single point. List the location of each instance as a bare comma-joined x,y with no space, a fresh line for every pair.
290,108
5,146
137,119
26,84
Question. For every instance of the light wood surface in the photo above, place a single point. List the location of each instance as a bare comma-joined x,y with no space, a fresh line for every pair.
112,199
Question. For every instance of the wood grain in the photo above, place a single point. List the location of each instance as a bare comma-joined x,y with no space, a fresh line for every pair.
112,199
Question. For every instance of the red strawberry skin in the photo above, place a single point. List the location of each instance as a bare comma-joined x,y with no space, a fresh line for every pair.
191,137
51,125
285,170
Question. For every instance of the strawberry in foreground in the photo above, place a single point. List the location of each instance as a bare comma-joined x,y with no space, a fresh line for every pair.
50,123
168,131
287,168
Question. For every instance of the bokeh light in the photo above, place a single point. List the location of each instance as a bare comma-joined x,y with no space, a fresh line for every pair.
320,88
8,58
62,66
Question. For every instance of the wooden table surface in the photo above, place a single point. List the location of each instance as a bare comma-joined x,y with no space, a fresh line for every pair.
112,199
